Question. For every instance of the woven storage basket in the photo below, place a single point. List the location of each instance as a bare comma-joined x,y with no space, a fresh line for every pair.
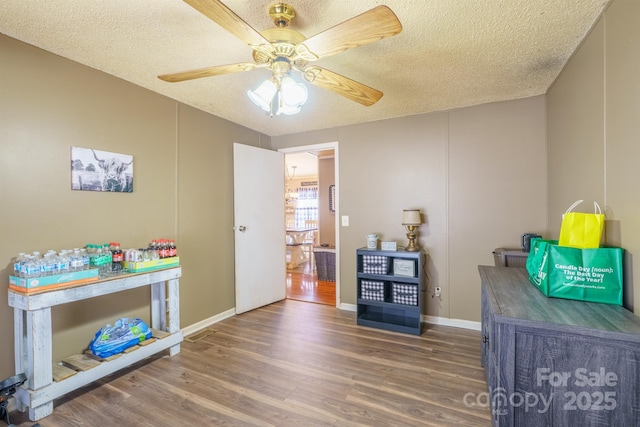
375,264
403,293
372,290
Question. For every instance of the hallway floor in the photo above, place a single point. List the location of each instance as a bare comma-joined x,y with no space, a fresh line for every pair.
303,285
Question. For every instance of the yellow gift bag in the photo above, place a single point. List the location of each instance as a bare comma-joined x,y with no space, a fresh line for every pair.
581,230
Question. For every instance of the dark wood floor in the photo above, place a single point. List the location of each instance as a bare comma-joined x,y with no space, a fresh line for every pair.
303,285
291,364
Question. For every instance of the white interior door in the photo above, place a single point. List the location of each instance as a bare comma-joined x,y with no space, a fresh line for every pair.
259,227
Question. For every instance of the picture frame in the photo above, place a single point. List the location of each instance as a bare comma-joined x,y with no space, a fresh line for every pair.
96,170
389,246
332,198
404,267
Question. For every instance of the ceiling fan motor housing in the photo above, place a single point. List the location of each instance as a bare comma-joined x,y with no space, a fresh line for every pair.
283,40
282,14
280,67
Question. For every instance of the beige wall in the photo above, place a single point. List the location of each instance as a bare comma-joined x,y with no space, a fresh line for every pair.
205,211
497,189
327,219
182,186
594,133
477,173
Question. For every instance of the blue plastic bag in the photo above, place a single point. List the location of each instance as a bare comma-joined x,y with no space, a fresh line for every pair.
115,339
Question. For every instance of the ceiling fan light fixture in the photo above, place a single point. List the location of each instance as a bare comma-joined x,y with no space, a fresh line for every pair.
263,96
291,96
291,93
287,110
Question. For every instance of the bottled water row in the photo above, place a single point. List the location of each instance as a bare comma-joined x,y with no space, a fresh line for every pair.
51,262
65,261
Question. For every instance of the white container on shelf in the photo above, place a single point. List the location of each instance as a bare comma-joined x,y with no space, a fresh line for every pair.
372,241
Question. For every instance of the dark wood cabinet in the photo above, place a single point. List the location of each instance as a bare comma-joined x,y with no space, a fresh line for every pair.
391,286
556,362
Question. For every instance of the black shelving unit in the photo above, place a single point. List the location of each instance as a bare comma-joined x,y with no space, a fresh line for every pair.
391,288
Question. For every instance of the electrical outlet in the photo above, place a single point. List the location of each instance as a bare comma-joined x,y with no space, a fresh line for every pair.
345,220
437,292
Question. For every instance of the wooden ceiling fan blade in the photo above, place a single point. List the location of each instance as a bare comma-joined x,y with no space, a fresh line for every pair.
227,19
342,85
368,27
208,72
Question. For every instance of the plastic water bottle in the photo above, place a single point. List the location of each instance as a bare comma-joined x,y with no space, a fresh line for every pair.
32,267
17,265
63,262
52,260
85,259
76,260
91,252
98,259
107,256
72,261
48,264
23,266
37,265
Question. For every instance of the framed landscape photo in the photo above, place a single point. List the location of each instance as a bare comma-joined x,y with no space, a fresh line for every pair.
95,170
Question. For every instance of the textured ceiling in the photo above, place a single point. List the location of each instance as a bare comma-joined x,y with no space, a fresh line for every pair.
450,53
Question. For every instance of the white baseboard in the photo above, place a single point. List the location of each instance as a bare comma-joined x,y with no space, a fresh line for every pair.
192,329
348,307
456,323
434,320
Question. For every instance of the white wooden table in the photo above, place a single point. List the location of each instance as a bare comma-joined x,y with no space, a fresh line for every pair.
294,239
32,334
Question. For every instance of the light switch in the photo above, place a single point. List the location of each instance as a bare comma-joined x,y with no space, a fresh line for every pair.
345,220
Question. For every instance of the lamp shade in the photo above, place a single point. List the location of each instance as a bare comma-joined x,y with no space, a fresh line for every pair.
263,95
411,217
292,94
287,109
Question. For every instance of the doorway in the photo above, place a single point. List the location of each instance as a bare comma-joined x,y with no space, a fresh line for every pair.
310,218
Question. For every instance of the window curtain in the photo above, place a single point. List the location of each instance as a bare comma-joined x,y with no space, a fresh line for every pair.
306,206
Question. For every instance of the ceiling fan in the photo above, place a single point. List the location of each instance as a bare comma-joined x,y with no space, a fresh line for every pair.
282,50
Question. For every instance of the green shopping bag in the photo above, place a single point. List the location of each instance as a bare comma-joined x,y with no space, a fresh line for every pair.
593,275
